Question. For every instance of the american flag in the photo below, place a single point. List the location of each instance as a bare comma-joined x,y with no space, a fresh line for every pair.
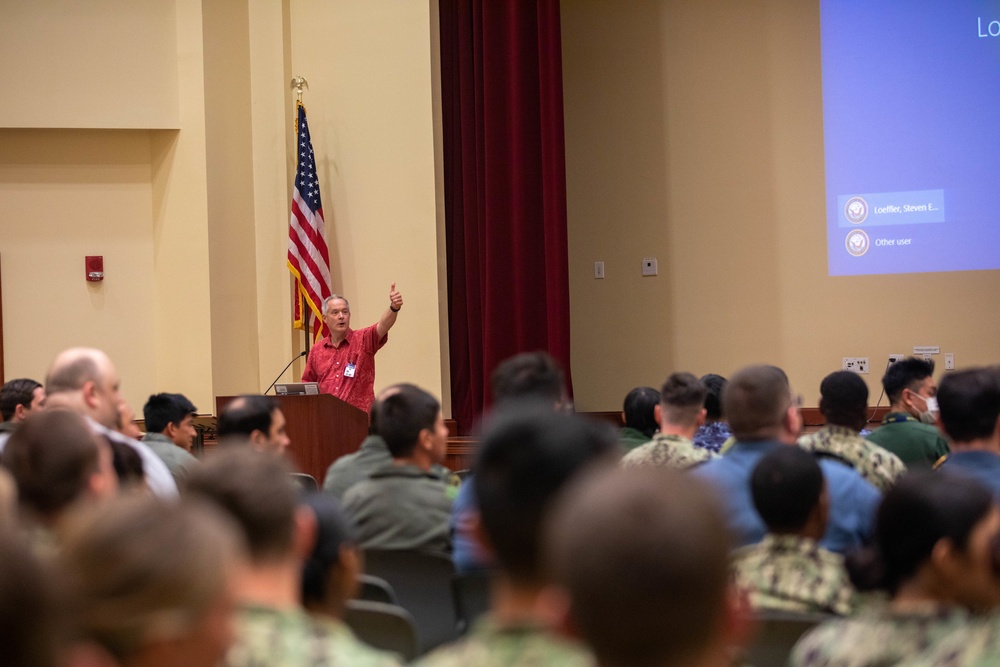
308,256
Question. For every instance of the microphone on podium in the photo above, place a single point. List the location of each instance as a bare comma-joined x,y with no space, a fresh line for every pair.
297,356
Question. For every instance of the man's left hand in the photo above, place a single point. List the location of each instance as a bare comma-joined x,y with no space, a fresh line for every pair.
395,298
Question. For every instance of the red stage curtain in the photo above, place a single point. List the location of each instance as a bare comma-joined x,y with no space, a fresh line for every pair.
505,189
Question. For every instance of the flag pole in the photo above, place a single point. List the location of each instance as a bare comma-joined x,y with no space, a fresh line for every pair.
299,84
308,253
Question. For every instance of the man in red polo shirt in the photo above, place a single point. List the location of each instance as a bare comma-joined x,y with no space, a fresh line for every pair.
343,363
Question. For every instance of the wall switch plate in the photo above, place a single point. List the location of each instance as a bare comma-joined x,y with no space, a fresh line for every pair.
895,356
649,266
949,361
856,364
598,270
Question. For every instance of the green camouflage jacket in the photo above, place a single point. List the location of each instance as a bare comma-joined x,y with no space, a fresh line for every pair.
491,645
672,451
268,637
878,638
791,573
880,467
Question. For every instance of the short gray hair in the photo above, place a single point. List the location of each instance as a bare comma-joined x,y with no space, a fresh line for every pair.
333,297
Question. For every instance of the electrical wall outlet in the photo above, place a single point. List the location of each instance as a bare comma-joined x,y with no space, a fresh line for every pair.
649,266
856,364
598,270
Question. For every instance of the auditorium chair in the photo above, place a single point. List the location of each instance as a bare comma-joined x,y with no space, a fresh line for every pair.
422,582
388,627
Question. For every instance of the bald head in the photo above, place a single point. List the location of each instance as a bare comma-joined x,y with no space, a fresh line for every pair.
83,379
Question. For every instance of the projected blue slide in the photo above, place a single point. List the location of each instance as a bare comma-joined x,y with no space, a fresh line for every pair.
911,115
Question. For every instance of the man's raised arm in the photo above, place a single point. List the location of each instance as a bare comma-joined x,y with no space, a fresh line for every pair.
389,316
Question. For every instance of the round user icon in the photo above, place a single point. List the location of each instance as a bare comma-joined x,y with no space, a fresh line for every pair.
857,243
856,210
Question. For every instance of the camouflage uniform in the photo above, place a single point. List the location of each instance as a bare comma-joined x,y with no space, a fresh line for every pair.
268,637
880,467
490,645
673,451
792,573
975,645
878,638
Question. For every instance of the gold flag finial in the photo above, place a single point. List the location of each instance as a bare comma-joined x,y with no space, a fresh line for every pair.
298,85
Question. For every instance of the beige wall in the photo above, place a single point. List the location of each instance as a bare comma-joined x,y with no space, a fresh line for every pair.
181,301
135,196
107,64
192,220
65,194
371,114
232,254
694,133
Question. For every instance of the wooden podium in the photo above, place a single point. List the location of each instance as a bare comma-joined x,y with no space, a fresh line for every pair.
321,428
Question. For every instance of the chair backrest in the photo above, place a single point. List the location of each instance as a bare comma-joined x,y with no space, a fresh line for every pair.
777,633
471,593
375,589
422,582
306,482
388,627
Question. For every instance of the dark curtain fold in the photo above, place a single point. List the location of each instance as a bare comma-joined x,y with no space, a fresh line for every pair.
505,189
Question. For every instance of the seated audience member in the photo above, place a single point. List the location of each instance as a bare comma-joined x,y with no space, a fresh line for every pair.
531,378
170,431
330,579
933,556
8,499
150,583
85,381
358,466
56,462
788,570
527,456
715,431
680,412
129,468
403,505
638,415
764,415
642,553
18,399
970,415
330,572
259,419
126,421
844,404
907,429
255,489
33,629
